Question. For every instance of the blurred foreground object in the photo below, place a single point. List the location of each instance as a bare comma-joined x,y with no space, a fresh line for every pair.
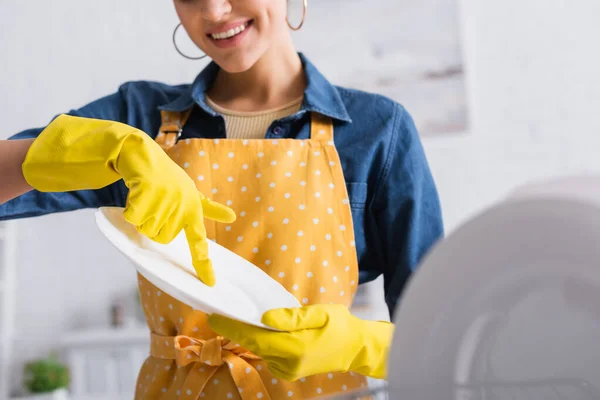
508,305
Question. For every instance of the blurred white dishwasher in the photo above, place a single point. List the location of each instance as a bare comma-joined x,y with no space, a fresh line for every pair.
104,363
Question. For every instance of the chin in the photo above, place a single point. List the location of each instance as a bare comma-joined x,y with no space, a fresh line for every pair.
236,63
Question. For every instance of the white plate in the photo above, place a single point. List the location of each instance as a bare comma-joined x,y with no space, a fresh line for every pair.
509,301
243,291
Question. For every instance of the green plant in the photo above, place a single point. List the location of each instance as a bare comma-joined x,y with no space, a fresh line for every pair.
46,375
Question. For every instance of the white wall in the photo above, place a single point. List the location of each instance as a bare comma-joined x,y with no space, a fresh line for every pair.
535,95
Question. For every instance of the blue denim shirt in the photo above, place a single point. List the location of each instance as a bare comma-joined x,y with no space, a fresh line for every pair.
395,205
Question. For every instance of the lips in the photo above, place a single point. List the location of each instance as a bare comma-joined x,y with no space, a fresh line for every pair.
230,30
231,35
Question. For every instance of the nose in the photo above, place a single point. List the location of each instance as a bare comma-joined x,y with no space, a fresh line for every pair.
215,10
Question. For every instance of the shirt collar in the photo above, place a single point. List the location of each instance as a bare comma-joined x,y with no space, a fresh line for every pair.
320,95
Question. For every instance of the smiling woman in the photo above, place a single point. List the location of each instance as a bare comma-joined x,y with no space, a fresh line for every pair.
331,186
265,34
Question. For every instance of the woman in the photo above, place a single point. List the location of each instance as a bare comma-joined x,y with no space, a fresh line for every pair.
330,186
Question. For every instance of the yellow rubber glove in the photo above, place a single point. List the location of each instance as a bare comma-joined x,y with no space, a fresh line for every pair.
75,153
316,339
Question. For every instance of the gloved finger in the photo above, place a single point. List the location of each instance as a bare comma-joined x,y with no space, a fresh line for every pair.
133,214
295,319
205,271
217,211
195,233
139,207
150,228
171,222
248,336
170,229
167,233
146,225
281,373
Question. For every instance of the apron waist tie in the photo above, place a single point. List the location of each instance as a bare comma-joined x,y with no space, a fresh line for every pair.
207,356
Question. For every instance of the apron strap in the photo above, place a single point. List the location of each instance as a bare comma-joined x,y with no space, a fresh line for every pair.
171,127
321,127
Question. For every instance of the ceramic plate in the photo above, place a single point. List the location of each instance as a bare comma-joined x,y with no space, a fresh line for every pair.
243,291
505,307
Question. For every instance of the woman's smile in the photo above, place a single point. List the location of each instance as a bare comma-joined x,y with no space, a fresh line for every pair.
230,34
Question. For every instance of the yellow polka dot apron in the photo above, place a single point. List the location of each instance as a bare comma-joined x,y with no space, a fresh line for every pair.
294,222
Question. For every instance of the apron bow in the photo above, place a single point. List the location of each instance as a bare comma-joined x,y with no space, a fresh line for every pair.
212,353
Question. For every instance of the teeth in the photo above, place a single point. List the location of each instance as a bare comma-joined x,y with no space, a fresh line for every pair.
229,34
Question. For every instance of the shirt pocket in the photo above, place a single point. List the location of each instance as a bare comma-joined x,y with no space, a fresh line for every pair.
357,195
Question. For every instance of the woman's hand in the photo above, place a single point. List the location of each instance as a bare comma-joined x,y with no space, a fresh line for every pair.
75,153
312,340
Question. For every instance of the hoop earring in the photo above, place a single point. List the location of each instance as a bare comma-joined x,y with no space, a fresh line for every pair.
304,9
177,47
